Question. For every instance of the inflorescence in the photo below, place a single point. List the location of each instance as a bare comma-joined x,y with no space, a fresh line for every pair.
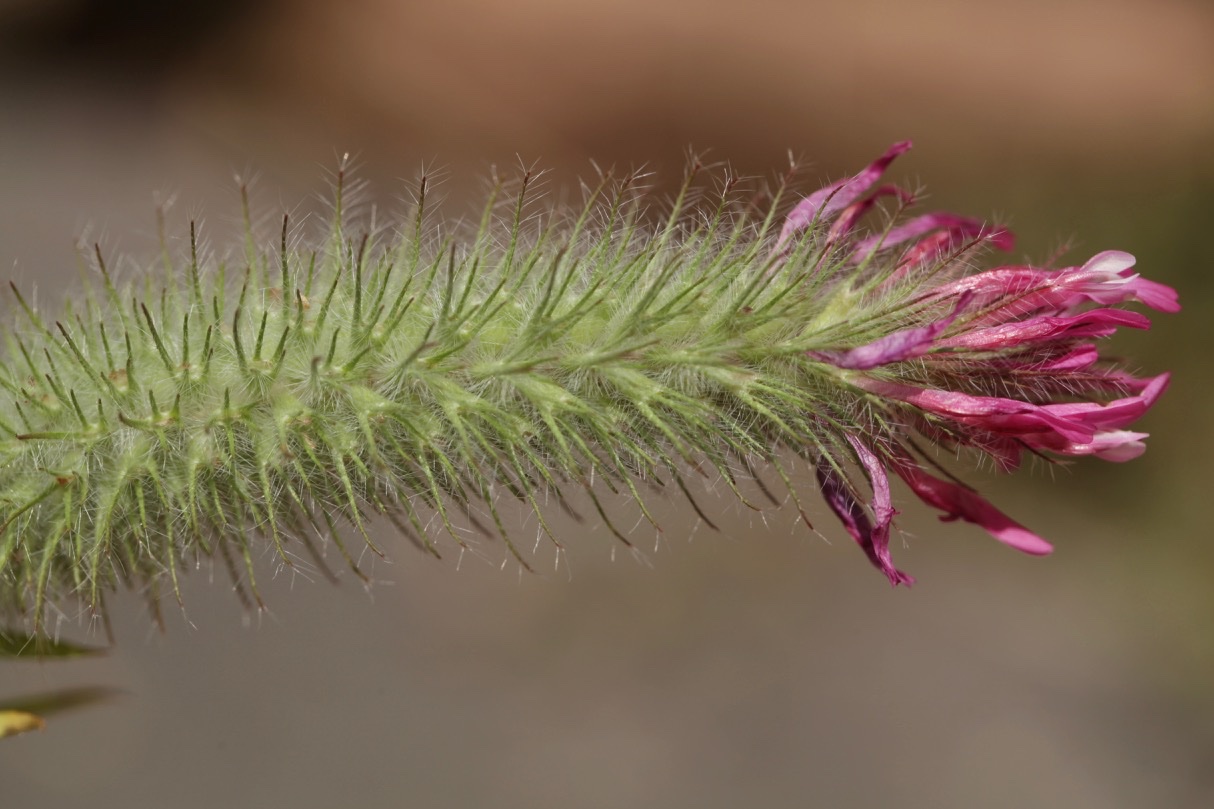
286,396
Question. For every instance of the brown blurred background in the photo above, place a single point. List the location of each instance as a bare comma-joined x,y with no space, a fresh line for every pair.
763,666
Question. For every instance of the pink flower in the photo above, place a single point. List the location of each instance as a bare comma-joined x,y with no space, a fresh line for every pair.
1061,428
901,345
960,503
1105,279
824,203
941,230
852,214
1046,328
1000,362
872,538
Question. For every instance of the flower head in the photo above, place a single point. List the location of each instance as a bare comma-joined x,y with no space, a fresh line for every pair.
429,373
999,361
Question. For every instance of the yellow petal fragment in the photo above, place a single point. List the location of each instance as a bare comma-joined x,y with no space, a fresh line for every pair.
14,722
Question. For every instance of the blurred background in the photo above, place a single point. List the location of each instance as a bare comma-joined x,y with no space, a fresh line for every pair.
762,666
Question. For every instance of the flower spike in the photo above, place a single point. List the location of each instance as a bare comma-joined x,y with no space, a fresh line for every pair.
437,375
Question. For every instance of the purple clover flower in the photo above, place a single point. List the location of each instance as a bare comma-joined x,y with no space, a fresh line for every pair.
999,361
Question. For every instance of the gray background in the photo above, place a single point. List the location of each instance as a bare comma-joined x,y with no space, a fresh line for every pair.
766,665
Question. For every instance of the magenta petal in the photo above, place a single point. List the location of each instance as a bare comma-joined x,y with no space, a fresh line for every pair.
995,414
823,203
927,249
991,285
1094,323
1079,358
901,345
874,540
960,503
954,227
1109,263
1116,414
896,347
1105,279
1080,428
883,510
1160,297
1117,446
852,213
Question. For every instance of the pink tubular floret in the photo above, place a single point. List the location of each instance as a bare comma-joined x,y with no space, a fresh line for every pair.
959,503
824,203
